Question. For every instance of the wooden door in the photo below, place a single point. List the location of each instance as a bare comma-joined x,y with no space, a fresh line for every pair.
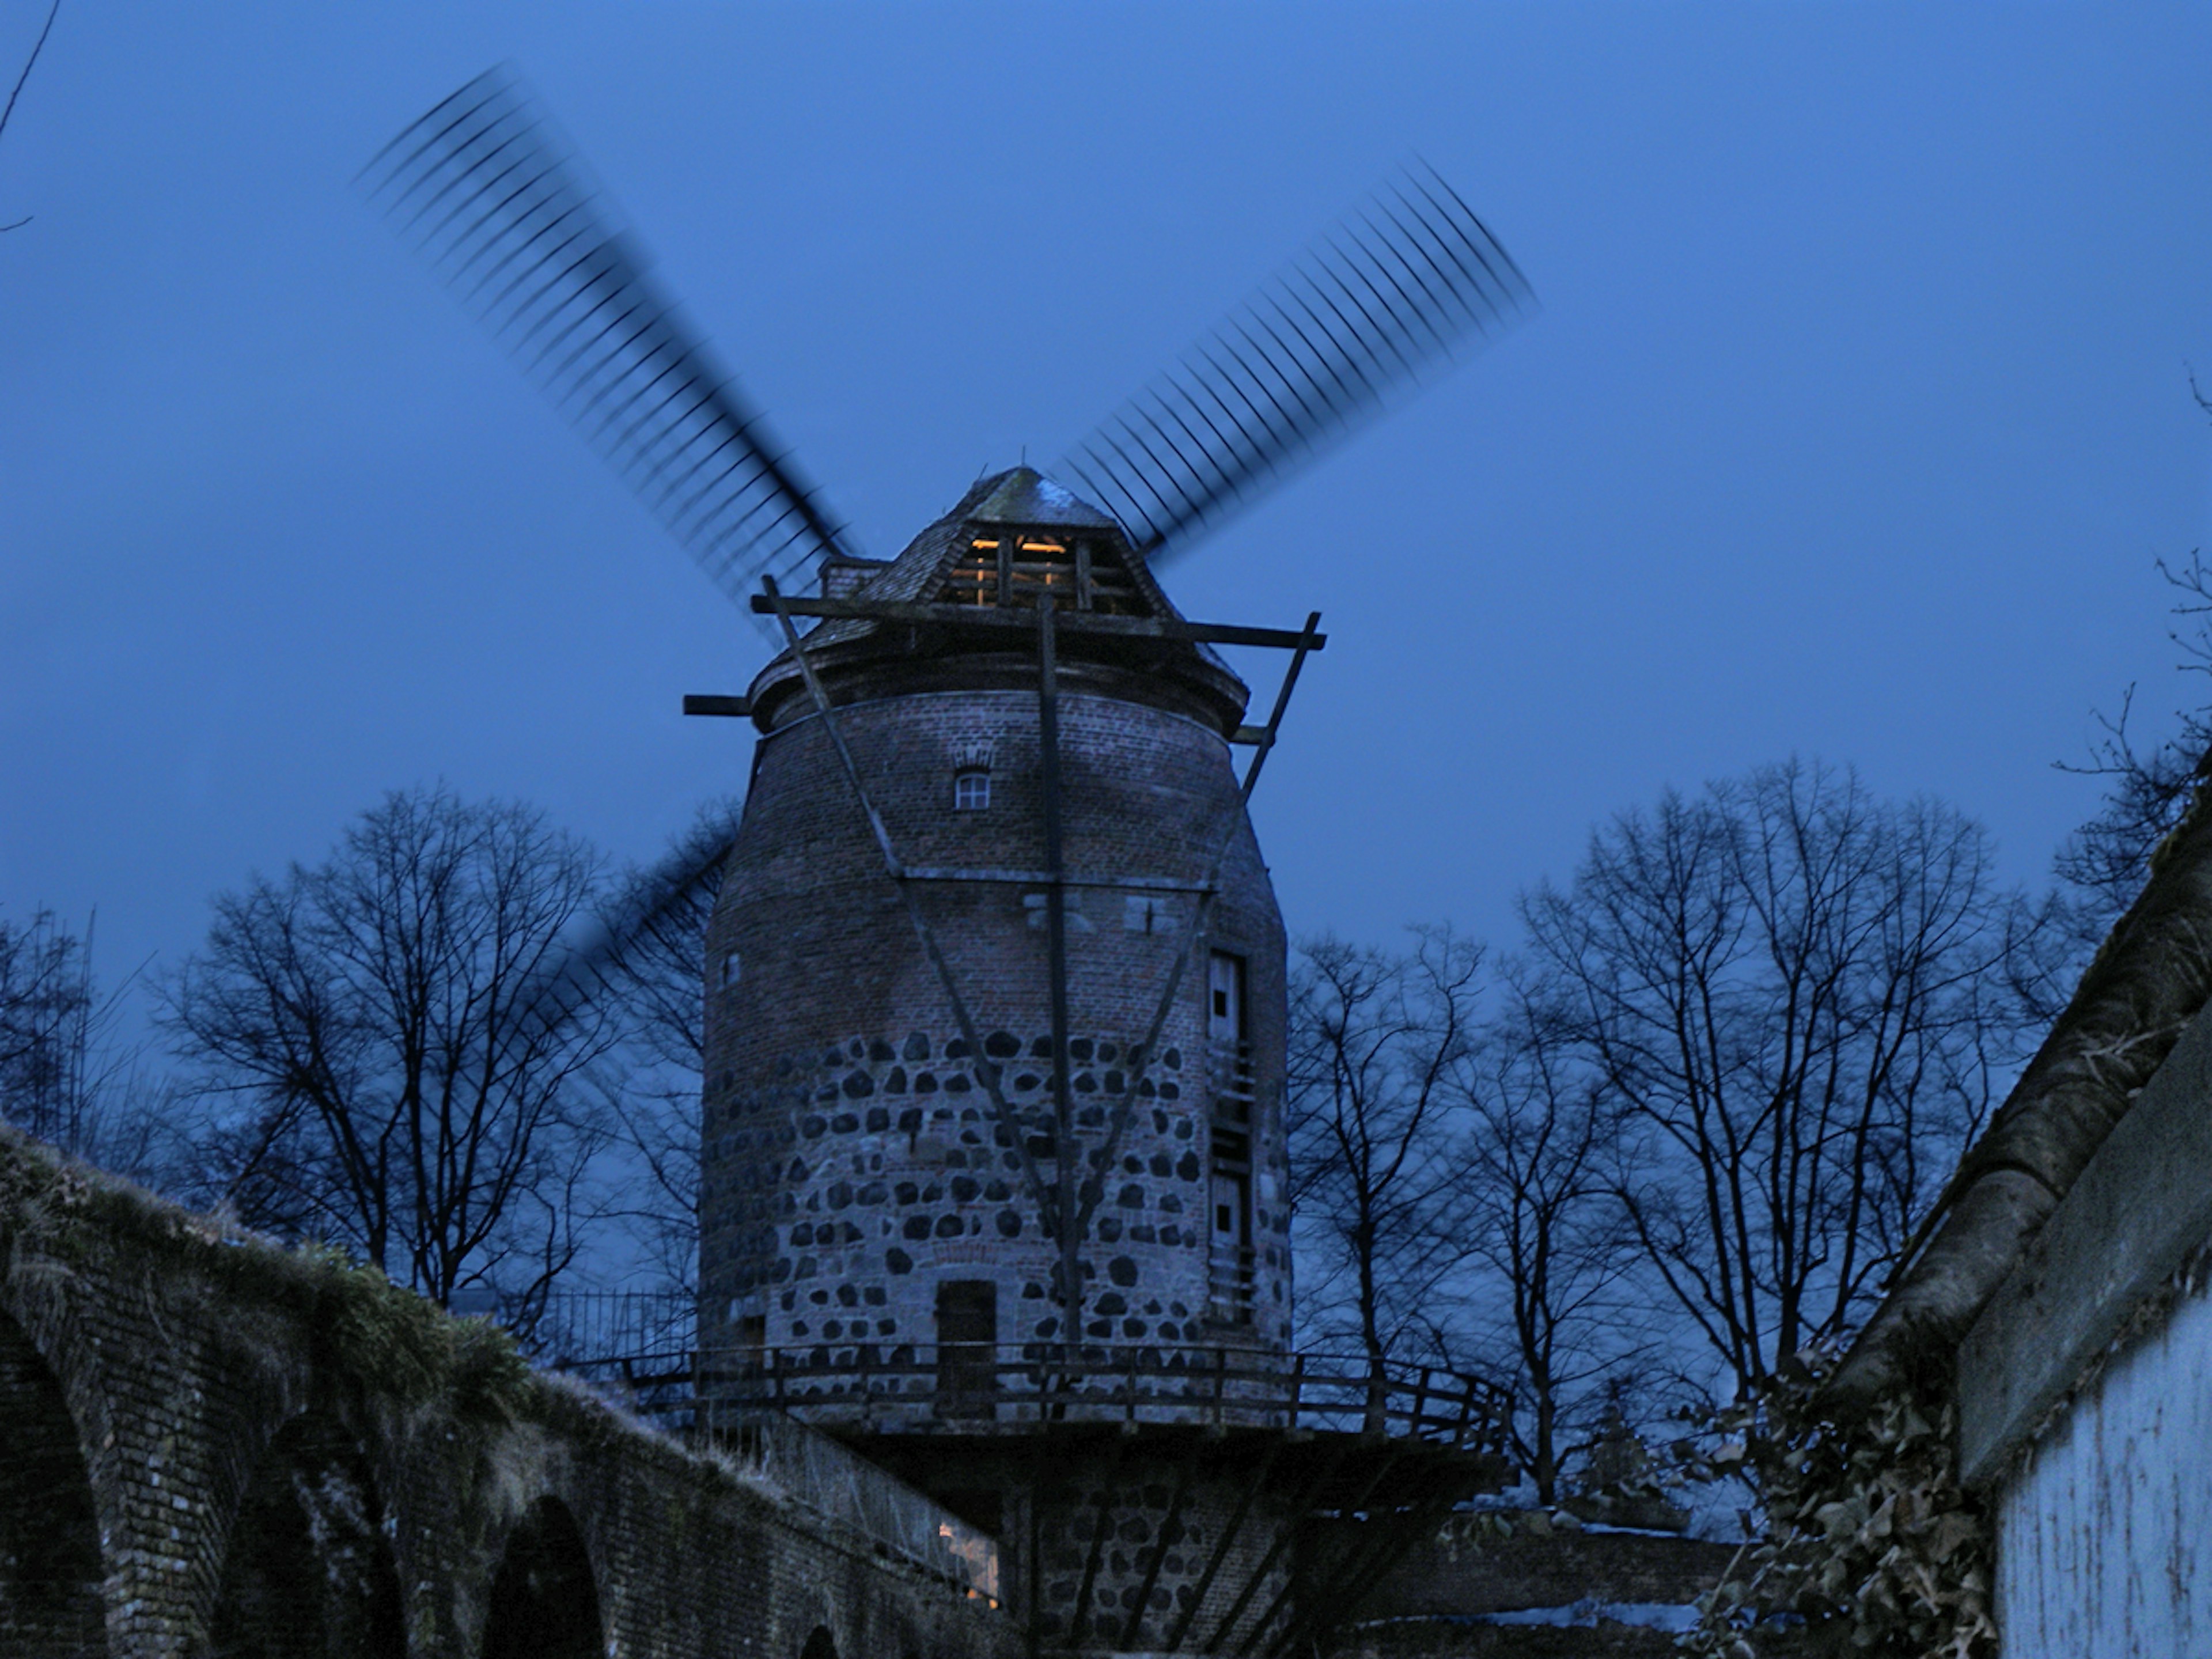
967,1346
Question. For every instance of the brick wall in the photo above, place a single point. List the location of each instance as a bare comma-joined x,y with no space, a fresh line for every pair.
210,1440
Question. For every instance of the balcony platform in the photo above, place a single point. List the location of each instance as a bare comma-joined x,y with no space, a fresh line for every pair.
1216,1498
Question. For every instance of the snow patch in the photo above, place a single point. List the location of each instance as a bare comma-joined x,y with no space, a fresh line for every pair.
1649,1615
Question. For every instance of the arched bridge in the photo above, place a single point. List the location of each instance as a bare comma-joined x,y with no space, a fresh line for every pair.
210,1446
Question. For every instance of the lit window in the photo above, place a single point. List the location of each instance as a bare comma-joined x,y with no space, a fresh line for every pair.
972,789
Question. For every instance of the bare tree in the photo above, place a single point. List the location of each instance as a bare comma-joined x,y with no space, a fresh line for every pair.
2105,862
392,1042
46,1008
1377,1043
65,1075
9,110
1799,997
2150,785
1543,1219
658,975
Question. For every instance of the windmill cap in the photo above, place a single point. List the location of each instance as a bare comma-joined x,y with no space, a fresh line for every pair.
1023,495
861,656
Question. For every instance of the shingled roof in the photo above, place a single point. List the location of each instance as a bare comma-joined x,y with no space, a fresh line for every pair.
1023,495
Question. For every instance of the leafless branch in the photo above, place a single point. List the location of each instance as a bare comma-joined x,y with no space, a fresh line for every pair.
38,46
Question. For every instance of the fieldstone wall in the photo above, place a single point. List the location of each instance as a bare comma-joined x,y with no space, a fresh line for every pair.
1188,1525
900,1169
212,1444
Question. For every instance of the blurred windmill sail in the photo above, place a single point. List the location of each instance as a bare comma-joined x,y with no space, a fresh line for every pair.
1408,280
658,917
484,188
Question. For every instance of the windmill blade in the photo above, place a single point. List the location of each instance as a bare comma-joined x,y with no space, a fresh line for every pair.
484,188
641,936
1404,281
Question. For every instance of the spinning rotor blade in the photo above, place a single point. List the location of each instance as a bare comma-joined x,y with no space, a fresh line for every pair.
1393,288
659,918
484,188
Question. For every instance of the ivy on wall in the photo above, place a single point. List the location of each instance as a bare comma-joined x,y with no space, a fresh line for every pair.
1871,1546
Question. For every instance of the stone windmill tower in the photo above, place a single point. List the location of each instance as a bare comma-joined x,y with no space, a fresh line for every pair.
994,1172
883,1141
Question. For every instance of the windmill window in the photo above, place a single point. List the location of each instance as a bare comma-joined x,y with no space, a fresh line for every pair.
1043,563
730,967
972,789
975,578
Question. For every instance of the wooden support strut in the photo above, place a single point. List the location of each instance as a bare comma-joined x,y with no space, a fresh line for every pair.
695,702
1098,1520
1289,1580
1087,622
1064,1162
1291,1523
986,1073
1253,1488
1033,1561
1184,1474
1309,640
1364,1565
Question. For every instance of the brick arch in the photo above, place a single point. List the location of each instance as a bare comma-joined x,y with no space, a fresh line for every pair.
308,1572
51,1566
544,1602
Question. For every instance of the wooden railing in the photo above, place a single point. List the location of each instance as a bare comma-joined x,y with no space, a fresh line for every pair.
850,1386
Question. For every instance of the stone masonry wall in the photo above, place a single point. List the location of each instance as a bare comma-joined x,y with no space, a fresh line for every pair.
1130,1501
207,1438
852,1160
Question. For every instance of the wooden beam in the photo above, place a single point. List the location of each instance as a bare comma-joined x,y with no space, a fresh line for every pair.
1300,1518
1041,878
1098,1520
986,1074
1292,1524
1309,640
736,708
1073,622
1064,1162
1364,1563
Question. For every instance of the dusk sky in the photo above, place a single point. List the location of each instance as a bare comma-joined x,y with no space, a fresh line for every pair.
1855,417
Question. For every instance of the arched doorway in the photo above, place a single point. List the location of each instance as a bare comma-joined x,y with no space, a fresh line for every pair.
306,1573
544,1604
50,1562
820,1645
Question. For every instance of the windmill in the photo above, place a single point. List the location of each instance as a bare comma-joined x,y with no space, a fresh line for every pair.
994,1175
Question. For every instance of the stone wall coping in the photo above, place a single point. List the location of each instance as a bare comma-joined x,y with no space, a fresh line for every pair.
2139,1208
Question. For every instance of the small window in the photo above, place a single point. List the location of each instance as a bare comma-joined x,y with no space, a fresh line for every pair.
972,789
1143,913
730,967
1225,998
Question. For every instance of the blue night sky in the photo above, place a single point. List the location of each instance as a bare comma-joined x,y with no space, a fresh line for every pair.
1854,419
